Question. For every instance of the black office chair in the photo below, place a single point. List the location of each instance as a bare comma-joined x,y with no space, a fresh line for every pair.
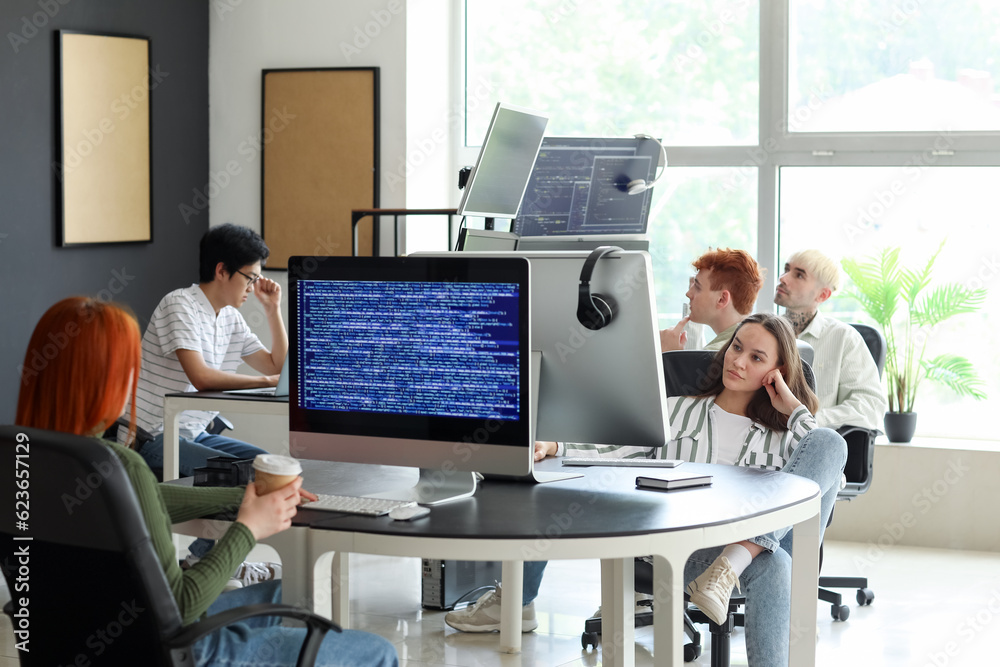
95,584
858,470
686,373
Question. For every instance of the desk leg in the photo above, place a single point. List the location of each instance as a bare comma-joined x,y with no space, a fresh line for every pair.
512,575
171,447
668,609
618,612
805,574
330,589
296,569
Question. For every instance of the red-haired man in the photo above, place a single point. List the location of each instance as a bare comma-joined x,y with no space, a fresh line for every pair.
722,293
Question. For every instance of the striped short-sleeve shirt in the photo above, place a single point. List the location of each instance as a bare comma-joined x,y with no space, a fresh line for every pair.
186,320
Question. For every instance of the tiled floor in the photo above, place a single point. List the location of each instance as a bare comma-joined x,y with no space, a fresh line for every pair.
933,608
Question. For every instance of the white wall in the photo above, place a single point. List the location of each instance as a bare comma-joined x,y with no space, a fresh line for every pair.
924,496
247,36
253,35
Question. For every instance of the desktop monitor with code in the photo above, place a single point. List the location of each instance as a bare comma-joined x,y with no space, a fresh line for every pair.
602,387
578,191
411,361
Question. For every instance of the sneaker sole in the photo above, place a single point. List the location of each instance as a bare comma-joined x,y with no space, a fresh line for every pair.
526,626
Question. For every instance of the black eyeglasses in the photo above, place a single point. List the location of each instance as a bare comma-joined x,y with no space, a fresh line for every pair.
251,279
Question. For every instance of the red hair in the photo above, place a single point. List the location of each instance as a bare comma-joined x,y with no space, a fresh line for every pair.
735,271
82,362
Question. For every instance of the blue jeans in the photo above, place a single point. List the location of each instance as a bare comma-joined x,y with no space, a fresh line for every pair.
766,583
533,571
195,453
262,641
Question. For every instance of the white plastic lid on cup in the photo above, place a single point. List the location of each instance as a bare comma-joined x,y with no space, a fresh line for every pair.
276,464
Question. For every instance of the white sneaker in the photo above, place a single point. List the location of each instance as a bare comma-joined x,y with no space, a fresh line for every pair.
643,603
484,615
712,589
250,573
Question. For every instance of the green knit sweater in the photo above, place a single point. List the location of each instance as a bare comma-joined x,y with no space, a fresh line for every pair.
196,588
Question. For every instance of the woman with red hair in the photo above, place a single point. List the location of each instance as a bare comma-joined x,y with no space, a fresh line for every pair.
92,357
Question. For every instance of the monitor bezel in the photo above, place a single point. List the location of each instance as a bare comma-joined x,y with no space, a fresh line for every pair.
449,443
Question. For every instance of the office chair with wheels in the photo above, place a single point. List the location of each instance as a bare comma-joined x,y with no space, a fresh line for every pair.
96,587
859,470
686,373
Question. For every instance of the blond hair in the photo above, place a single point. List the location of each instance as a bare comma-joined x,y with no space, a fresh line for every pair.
825,270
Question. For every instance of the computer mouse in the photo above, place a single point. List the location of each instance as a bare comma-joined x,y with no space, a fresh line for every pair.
409,512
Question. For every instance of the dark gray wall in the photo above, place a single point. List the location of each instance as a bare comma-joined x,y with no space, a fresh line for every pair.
34,272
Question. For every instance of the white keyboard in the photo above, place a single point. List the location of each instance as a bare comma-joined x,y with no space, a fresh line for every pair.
621,463
356,505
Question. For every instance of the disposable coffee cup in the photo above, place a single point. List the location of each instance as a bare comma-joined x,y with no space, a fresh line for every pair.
273,471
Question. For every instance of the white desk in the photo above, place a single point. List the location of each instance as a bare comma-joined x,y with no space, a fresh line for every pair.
217,401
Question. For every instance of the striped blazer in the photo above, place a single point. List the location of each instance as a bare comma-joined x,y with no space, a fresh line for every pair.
692,432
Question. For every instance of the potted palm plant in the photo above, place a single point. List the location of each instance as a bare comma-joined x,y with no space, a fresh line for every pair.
894,297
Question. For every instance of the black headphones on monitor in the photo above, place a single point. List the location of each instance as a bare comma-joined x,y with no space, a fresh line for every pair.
595,311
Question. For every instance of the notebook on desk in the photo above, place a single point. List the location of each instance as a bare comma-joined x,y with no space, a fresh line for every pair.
667,480
279,391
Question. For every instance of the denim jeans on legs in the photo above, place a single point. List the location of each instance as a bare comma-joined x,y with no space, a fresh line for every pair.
766,583
195,453
263,641
533,571
820,456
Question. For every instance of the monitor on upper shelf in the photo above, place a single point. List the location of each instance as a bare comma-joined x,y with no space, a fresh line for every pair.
578,193
496,183
599,386
412,361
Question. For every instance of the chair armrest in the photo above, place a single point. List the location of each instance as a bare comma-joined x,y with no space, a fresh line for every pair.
860,459
317,627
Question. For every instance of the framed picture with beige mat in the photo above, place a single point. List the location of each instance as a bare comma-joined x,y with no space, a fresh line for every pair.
320,143
103,162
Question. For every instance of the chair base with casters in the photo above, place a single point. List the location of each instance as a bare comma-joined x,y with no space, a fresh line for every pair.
692,615
838,610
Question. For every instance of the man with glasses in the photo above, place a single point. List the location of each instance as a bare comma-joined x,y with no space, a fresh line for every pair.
196,340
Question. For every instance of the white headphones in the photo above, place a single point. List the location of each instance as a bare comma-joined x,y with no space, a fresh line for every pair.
639,186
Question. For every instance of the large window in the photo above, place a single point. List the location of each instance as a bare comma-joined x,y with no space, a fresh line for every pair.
863,209
847,126
862,66
683,70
